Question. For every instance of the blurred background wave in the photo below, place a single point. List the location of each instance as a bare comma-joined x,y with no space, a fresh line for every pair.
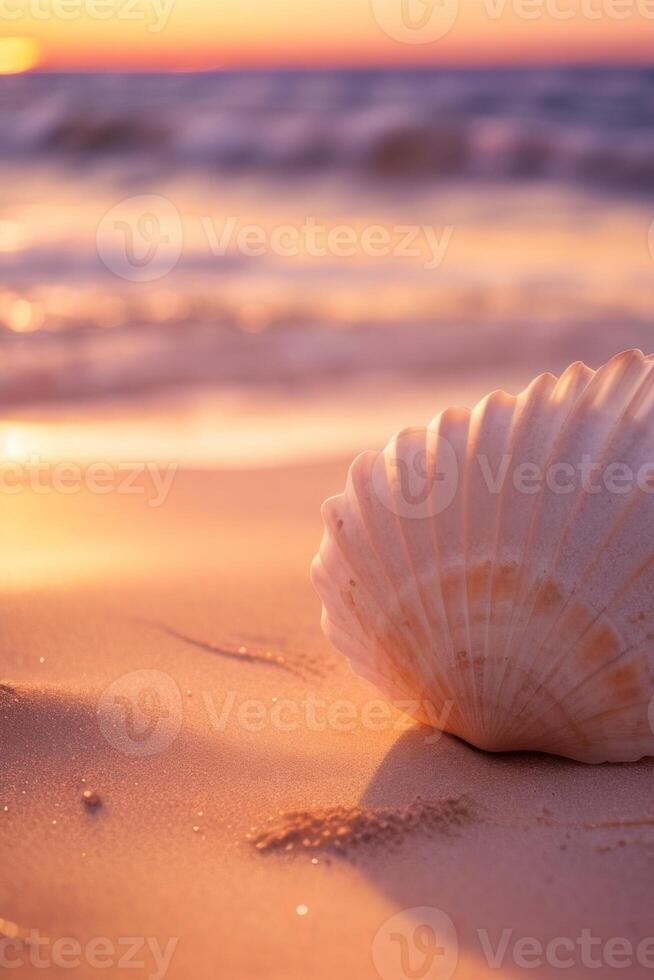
538,183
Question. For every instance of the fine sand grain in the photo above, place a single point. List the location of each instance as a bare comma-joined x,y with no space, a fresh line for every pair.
186,761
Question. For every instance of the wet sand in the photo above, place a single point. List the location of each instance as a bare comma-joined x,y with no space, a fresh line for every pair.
251,810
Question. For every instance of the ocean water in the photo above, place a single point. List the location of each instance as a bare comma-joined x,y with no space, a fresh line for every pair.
590,123
281,231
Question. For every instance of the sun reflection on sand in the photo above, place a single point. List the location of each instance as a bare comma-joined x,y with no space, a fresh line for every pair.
232,429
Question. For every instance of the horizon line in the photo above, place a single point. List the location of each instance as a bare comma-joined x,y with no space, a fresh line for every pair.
462,65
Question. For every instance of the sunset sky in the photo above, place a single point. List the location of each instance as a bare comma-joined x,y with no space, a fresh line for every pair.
200,34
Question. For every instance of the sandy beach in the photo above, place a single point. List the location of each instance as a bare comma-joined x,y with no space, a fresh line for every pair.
195,781
241,243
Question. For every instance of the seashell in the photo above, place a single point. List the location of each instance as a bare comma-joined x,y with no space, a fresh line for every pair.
496,569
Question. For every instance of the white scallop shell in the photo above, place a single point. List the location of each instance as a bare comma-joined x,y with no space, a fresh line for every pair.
475,569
